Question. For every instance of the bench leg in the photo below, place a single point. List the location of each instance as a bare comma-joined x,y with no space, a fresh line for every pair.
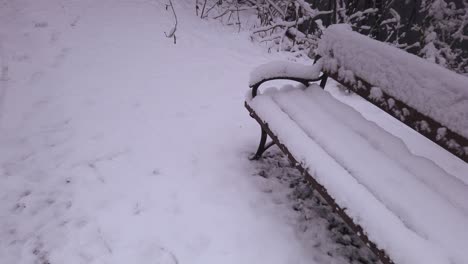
323,82
263,146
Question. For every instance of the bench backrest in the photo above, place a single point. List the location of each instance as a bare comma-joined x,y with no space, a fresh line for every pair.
430,99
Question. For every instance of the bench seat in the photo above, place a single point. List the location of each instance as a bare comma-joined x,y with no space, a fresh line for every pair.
408,206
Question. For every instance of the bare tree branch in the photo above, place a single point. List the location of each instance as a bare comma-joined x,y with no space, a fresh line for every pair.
173,30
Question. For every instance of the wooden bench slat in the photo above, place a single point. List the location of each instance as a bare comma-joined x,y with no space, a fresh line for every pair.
427,97
424,125
345,178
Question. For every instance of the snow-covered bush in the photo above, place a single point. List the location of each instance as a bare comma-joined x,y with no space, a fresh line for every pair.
433,29
444,33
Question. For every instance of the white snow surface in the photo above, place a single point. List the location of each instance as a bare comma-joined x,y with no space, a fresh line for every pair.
118,146
408,205
289,69
427,87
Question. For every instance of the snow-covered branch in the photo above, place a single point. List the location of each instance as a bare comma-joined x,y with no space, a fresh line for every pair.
436,29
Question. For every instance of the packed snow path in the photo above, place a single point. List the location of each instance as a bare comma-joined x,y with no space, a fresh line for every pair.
118,146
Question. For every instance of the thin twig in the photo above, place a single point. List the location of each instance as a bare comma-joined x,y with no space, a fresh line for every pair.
238,18
209,9
171,33
203,9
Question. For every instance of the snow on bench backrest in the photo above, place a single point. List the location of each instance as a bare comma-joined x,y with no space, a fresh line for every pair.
430,89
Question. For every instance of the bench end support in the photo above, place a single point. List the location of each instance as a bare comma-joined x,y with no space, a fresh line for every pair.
261,146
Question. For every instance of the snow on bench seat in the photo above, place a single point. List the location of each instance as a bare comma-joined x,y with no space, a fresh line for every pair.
427,87
406,204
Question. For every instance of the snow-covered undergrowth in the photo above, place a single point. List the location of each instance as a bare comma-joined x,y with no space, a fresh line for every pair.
118,146
320,229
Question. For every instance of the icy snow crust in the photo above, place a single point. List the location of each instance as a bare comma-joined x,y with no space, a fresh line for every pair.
284,69
409,206
427,87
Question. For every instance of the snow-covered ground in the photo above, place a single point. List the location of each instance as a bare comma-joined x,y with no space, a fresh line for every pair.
118,146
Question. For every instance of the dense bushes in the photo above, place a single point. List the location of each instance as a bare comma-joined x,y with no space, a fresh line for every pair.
434,29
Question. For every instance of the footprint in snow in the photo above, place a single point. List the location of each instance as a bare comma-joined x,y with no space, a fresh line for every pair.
60,57
4,74
54,37
42,24
180,114
22,58
158,255
143,252
35,77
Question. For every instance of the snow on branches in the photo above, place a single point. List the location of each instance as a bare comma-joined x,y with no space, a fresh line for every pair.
444,33
433,29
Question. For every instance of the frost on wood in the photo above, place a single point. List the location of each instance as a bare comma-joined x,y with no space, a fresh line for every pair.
428,88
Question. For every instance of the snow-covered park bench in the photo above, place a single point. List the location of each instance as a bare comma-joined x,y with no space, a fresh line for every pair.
405,208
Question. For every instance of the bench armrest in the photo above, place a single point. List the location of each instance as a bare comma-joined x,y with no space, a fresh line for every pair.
299,80
284,70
